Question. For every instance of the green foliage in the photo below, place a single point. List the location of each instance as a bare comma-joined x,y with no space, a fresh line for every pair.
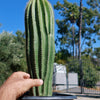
12,55
4,72
20,37
62,56
40,47
68,10
73,65
94,3
70,14
96,58
86,68
90,74
97,52
60,61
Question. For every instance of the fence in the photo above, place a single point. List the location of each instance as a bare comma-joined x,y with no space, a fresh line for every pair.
88,78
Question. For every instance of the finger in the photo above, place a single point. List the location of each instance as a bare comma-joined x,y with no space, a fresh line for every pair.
20,75
28,83
25,85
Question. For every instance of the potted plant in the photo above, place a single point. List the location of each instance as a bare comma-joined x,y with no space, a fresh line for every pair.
40,47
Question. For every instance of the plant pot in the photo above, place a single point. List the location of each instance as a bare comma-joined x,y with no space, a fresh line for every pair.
56,96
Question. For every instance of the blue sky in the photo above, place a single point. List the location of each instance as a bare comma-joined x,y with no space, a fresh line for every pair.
12,14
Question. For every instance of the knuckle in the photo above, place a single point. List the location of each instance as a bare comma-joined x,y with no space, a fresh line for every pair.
14,73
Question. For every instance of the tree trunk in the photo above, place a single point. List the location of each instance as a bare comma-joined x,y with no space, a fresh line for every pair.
73,39
80,29
76,50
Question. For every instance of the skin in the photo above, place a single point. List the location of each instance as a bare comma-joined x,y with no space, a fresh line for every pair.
16,85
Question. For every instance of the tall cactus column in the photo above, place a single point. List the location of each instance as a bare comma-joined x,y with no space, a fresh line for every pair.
40,46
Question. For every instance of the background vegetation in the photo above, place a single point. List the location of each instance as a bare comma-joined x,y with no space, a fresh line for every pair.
68,39
12,54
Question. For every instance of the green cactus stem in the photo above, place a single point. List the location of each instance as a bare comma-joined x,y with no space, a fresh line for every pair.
40,46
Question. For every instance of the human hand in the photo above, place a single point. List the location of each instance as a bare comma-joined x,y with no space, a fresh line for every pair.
16,85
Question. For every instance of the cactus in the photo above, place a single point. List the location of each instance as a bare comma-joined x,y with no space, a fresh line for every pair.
40,46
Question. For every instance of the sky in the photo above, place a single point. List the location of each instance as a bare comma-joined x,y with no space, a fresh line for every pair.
12,14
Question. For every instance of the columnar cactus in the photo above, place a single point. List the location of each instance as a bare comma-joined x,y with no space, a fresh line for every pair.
40,47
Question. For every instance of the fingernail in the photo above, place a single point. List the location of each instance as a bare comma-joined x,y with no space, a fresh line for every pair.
41,81
29,75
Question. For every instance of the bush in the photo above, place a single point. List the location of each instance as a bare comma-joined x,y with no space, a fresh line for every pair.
86,71
12,54
4,72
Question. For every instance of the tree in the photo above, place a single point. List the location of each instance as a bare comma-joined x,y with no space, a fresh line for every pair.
66,26
95,6
62,56
89,25
90,74
20,37
80,29
12,54
97,52
4,72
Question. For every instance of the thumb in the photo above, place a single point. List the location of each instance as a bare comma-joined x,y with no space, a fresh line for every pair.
26,84
34,82
29,83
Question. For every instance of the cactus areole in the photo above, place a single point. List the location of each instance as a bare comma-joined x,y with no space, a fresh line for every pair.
40,46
